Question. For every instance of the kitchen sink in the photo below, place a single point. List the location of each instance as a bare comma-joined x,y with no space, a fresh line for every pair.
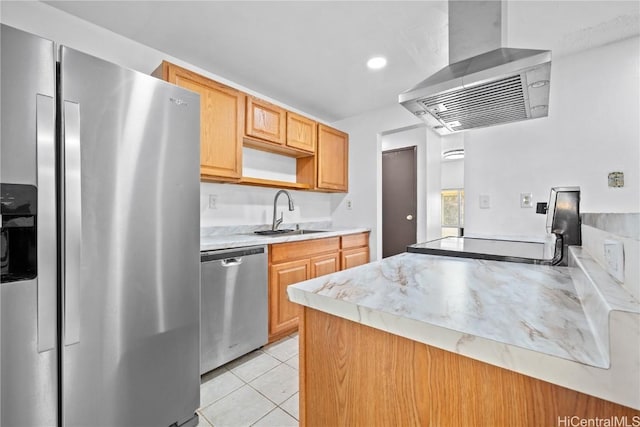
287,232
294,232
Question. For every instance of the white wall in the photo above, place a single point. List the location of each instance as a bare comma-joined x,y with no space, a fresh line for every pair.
237,204
365,177
452,174
246,205
593,128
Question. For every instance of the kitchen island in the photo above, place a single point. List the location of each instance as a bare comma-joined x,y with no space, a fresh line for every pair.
428,340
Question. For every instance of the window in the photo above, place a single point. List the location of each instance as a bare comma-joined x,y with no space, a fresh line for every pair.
452,212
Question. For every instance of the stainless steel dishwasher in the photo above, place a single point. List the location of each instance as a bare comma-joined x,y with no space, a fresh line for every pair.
233,312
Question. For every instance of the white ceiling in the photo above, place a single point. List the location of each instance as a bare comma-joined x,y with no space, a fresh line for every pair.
311,55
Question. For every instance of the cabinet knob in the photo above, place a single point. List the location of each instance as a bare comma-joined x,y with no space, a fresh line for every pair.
409,217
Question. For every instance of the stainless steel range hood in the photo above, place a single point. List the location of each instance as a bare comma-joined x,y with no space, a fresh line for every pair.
499,86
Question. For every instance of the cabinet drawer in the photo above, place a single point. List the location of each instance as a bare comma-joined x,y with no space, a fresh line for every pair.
285,251
355,240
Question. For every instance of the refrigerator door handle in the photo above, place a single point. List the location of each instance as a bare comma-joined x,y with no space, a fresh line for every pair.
46,222
72,223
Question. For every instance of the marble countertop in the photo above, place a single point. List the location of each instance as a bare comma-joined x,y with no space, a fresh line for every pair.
523,317
248,238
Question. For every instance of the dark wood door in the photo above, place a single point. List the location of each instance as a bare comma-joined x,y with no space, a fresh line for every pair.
398,200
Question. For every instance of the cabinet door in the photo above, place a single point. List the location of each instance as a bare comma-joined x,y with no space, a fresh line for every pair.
221,118
301,132
265,121
333,159
283,314
354,257
325,264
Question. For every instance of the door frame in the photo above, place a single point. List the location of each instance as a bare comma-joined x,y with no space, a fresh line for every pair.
414,149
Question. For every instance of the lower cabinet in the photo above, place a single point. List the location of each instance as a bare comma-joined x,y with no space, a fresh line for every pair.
283,315
354,250
354,257
295,262
325,264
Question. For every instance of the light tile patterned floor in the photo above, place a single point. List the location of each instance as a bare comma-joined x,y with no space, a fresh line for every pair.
258,389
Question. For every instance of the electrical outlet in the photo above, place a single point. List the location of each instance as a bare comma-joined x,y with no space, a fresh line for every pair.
349,205
485,201
614,258
526,200
213,201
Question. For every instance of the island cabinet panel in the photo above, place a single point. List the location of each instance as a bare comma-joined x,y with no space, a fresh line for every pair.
301,132
355,375
221,119
265,121
332,158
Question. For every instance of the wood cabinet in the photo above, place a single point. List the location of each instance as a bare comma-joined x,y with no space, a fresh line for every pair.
231,120
325,264
295,262
301,132
221,121
355,375
332,159
354,257
291,263
265,121
283,315
354,250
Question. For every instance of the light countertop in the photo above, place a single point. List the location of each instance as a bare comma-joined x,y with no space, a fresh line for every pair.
248,238
522,317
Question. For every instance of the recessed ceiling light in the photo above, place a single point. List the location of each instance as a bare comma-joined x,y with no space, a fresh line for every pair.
539,83
457,153
377,62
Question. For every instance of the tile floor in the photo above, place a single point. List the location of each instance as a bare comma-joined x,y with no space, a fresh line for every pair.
258,389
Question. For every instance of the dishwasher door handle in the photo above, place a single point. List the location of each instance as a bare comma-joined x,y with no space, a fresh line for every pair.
231,262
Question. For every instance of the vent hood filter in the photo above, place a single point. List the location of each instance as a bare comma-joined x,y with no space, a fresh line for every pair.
501,86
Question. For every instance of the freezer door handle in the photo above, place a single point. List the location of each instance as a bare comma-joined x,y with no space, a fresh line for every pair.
46,222
72,223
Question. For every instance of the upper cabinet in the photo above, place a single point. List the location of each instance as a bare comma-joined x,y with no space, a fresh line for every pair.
332,159
231,119
265,121
221,120
301,132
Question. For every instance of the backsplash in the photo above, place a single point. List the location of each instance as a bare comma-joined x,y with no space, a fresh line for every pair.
223,205
249,229
615,227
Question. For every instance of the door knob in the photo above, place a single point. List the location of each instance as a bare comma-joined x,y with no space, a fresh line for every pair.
409,217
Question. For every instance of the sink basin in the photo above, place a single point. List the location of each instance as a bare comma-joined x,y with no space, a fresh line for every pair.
287,232
294,232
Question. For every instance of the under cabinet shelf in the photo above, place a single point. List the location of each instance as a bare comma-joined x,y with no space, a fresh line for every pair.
273,183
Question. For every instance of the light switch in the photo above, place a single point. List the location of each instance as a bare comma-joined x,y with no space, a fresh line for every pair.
485,201
614,258
213,201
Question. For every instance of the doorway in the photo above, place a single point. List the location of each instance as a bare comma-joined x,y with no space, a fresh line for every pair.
399,200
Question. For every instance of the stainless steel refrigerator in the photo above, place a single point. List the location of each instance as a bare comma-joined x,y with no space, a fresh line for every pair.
100,241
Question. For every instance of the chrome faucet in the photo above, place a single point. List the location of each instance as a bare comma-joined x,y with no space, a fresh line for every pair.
276,222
